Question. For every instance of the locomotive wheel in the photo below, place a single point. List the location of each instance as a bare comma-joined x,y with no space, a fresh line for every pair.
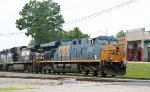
49,71
36,71
64,73
40,71
95,73
53,71
103,74
31,70
44,71
113,75
28,70
86,72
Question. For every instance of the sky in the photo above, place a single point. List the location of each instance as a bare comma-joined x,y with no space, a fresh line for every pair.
131,16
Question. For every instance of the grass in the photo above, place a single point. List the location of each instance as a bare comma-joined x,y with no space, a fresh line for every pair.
10,88
14,88
138,70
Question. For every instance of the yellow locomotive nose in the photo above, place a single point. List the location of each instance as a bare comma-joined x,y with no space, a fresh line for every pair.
112,53
112,59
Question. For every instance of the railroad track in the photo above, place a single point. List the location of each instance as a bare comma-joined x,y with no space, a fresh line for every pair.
78,77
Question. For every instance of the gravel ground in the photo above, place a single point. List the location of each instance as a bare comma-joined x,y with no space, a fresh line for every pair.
40,85
68,84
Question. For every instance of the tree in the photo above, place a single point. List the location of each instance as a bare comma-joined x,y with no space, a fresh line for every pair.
120,34
42,20
31,43
61,35
76,33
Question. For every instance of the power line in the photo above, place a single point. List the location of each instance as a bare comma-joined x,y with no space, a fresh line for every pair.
100,13
86,17
7,34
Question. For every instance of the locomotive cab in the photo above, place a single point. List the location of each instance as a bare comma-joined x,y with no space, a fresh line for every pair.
39,56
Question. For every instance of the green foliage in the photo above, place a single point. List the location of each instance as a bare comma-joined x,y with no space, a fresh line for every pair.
120,34
76,33
32,42
64,35
60,35
42,20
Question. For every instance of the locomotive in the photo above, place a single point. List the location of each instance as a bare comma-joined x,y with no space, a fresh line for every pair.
97,56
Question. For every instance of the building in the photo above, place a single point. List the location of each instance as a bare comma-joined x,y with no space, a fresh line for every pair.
137,45
122,42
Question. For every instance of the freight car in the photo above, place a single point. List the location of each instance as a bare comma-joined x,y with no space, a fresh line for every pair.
97,56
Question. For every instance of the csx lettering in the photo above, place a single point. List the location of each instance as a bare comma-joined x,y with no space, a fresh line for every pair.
63,51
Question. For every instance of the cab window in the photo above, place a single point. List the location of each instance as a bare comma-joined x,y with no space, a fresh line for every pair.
74,42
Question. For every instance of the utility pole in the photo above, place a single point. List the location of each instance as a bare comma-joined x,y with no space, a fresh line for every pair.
106,31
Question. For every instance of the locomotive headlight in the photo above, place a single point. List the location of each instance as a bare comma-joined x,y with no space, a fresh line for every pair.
110,58
114,47
122,59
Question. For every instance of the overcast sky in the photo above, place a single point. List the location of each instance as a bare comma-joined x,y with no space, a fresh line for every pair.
135,15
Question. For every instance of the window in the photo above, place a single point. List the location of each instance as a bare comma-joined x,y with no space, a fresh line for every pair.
9,55
92,42
3,56
74,42
79,41
25,53
113,42
102,41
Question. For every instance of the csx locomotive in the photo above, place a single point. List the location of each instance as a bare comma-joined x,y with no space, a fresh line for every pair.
97,56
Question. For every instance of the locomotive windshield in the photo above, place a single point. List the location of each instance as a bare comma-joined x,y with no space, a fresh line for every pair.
25,53
3,56
113,42
102,41
9,55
